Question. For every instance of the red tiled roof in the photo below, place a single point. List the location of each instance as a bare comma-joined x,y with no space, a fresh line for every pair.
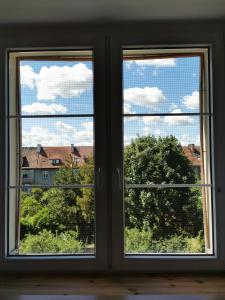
193,154
43,160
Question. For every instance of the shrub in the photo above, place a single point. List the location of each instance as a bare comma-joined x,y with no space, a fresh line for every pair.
47,242
137,241
196,245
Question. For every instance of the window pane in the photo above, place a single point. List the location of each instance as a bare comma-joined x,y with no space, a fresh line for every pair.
49,144
160,85
54,220
163,150
166,220
56,86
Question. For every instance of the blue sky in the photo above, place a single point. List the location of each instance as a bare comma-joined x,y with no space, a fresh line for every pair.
150,86
162,87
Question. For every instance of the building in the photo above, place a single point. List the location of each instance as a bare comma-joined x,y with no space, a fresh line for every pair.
39,164
192,152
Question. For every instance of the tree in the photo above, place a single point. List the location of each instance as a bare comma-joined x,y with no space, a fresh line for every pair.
86,200
164,211
68,173
58,209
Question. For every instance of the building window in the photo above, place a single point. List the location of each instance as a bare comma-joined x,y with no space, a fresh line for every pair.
45,174
55,161
25,176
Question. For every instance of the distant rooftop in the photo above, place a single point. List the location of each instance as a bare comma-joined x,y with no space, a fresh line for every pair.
53,157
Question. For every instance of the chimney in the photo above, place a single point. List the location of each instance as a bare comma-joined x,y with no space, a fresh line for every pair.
39,148
72,148
191,147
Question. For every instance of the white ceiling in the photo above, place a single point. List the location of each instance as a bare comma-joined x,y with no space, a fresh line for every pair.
67,11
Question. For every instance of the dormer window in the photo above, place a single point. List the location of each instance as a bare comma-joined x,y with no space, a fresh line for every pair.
55,161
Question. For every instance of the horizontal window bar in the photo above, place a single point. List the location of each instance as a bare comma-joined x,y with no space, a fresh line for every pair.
64,186
50,116
168,185
167,114
168,255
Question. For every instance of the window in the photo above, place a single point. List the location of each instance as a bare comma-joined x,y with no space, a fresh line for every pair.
45,174
55,161
119,142
25,176
55,109
165,125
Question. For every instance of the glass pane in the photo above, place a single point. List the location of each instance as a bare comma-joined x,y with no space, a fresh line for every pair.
160,85
56,86
166,220
52,144
163,149
54,220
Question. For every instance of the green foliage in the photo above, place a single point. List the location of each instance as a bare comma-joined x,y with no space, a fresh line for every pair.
196,245
67,174
47,242
137,241
60,210
158,220
168,211
86,200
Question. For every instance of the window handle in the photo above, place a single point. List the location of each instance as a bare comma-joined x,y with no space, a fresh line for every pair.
119,178
99,177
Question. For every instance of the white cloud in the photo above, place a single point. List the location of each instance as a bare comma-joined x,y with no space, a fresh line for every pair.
178,120
65,128
143,96
27,76
63,135
88,126
42,108
55,81
173,106
127,109
186,139
40,135
128,138
149,131
148,120
191,101
158,62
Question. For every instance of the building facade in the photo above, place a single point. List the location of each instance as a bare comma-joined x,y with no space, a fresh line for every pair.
40,164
